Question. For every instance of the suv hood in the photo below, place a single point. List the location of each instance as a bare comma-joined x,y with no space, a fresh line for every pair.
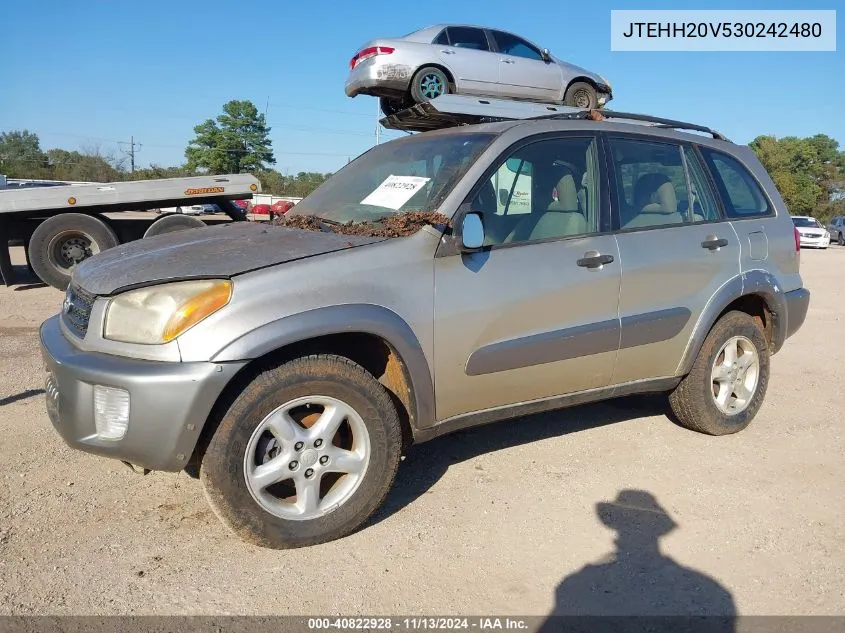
205,253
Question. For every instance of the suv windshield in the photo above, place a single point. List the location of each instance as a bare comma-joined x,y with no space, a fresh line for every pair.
410,174
805,222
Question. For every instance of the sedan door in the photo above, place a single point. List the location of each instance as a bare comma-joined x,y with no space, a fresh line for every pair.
533,315
466,52
524,74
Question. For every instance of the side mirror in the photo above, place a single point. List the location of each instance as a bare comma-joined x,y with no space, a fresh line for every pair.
547,56
472,232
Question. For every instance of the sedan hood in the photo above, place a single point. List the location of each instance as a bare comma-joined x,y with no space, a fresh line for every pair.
204,253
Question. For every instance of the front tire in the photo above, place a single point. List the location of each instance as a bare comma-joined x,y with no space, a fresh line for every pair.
582,95
728,381
304,455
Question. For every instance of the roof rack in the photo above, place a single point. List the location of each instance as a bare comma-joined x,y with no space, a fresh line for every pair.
455,110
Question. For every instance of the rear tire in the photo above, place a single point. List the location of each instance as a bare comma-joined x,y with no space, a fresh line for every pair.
696,400
273,426
841,240
171,223
61,242
582,95
429,83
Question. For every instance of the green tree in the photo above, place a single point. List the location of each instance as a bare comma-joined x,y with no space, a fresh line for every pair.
808,172
237,141
21,155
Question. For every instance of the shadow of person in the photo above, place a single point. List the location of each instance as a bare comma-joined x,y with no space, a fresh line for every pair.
638,580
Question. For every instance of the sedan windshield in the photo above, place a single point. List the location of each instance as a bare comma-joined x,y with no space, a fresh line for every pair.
806,223
410,174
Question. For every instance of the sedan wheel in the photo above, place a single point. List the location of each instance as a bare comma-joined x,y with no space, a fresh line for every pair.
429,83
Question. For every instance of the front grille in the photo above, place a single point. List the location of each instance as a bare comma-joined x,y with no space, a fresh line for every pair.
76,310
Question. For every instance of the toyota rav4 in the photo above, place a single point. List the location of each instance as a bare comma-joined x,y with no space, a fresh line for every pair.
289,367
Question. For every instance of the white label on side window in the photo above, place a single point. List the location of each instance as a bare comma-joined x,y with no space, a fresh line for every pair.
395,191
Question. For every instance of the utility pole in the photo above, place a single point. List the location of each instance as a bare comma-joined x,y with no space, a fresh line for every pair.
378,127
131,153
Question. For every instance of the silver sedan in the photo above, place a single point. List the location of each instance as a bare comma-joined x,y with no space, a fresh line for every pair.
469,60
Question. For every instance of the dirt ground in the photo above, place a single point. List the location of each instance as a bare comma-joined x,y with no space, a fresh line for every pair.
502,519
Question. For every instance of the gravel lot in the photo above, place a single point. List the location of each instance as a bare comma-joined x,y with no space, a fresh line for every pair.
499,520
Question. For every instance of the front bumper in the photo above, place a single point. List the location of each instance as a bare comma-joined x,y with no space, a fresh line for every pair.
817,242
169,402
797,303
378,76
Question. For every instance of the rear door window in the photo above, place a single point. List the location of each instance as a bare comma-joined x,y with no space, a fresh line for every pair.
741,194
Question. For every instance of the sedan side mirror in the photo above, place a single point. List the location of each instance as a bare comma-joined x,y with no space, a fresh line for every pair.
547,56
472,232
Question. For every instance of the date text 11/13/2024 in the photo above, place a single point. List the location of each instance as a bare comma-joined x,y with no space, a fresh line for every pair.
418,623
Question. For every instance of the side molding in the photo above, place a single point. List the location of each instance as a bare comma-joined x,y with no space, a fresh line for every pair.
344,319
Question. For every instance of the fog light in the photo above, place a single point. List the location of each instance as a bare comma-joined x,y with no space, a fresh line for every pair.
111,412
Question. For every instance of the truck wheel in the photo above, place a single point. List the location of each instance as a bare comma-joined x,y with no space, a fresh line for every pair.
727,383
61,242
429,83
841,240
580,94
170,223
304,455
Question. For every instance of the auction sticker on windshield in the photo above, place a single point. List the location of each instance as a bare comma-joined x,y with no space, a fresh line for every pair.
395,191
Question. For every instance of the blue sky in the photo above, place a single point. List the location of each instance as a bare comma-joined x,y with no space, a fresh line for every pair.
89,73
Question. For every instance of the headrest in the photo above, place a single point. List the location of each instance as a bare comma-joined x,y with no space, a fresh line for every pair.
567,195
656,194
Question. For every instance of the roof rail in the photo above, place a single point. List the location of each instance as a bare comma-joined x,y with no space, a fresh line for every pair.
598,115
455,110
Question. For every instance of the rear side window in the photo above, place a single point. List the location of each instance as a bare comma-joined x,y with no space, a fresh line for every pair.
465,37
740,193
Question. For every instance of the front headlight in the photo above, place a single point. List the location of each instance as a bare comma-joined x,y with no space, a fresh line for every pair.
159,314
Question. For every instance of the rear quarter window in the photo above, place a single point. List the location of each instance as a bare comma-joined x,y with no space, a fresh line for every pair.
740,192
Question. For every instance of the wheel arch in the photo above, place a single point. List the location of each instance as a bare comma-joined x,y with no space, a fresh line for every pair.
581,79
373,336
758,294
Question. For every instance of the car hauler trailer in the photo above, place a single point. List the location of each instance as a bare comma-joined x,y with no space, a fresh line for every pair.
61,226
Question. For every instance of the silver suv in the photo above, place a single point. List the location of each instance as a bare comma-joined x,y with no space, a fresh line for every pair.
289,368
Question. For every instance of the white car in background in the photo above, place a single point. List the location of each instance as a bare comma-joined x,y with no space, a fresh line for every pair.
810,232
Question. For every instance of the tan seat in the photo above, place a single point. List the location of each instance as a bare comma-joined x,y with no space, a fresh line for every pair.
656,194
562,217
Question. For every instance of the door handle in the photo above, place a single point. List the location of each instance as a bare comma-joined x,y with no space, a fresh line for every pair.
447,52
594,260
507,61
714,243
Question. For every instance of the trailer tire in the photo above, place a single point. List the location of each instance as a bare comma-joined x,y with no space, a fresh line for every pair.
175,222
61,242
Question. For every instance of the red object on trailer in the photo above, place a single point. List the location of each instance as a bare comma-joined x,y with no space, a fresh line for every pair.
282,206
261,209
